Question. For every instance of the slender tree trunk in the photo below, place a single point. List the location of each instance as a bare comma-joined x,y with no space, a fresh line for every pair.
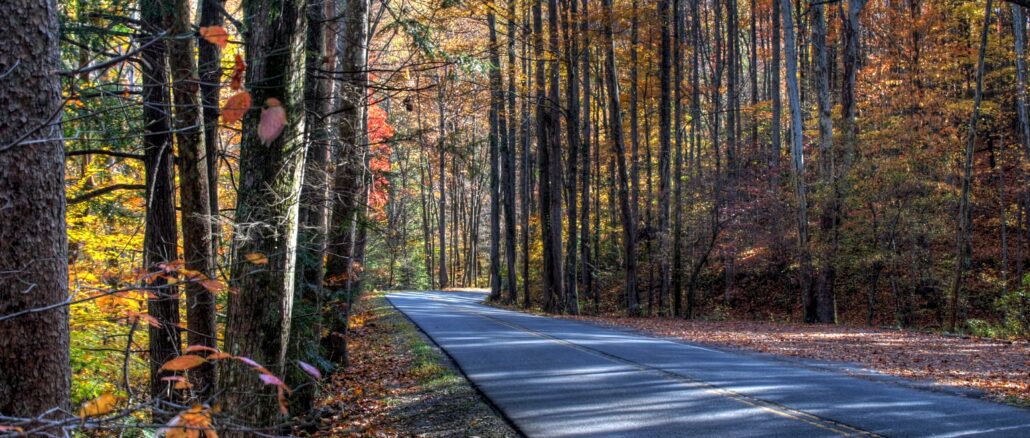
677,215
615,137
508,165
442,212
828,221
551,174
526,169
963,250
498,130
160,236
210,68
777,96
665,149
586,269
193,183
572,125
34,254
258,324
309,292
798,163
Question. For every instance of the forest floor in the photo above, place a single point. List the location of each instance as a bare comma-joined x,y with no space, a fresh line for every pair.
399,384
999,369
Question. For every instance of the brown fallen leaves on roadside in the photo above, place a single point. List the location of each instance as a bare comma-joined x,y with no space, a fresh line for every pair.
1000,368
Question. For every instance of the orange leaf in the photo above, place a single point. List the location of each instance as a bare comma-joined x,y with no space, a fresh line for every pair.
219,355
216,35
183,362
257,258
237,73
98,406
273,120
235,107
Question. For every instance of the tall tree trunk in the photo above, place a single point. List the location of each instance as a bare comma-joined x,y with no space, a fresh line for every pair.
442,211
665,149
309,291
963,234
258,324
348,179
498,130
798,163
526,169
677,214
615,137
634,123
160,236
508,165
777,96
210,68
828,220
587,270
34,253
551,173
571,298
193,184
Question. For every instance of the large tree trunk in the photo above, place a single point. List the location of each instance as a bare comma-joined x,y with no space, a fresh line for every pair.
260,308
33,256
193,183
348,179
677,214
825,308
160,235
309,292
619,151
963,250
551,174
798,162
442,211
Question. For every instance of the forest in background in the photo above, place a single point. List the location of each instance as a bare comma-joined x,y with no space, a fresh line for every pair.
223,177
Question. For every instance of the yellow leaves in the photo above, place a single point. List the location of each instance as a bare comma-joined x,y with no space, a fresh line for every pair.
257,258
98,406
273,120
183,363
235,107
192,423
216,35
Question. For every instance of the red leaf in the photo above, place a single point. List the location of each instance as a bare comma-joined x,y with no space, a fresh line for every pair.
237,73
273,120
235,107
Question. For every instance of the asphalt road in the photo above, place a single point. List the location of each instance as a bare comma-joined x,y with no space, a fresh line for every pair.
559,378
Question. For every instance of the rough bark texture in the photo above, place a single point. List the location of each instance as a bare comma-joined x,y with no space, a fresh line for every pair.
309,292
33,256
665,150
828,218
347,181
210,68
508,166
497,129
160,237
193,183
260,307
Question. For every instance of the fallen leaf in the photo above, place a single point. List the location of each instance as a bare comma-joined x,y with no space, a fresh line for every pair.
98,406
